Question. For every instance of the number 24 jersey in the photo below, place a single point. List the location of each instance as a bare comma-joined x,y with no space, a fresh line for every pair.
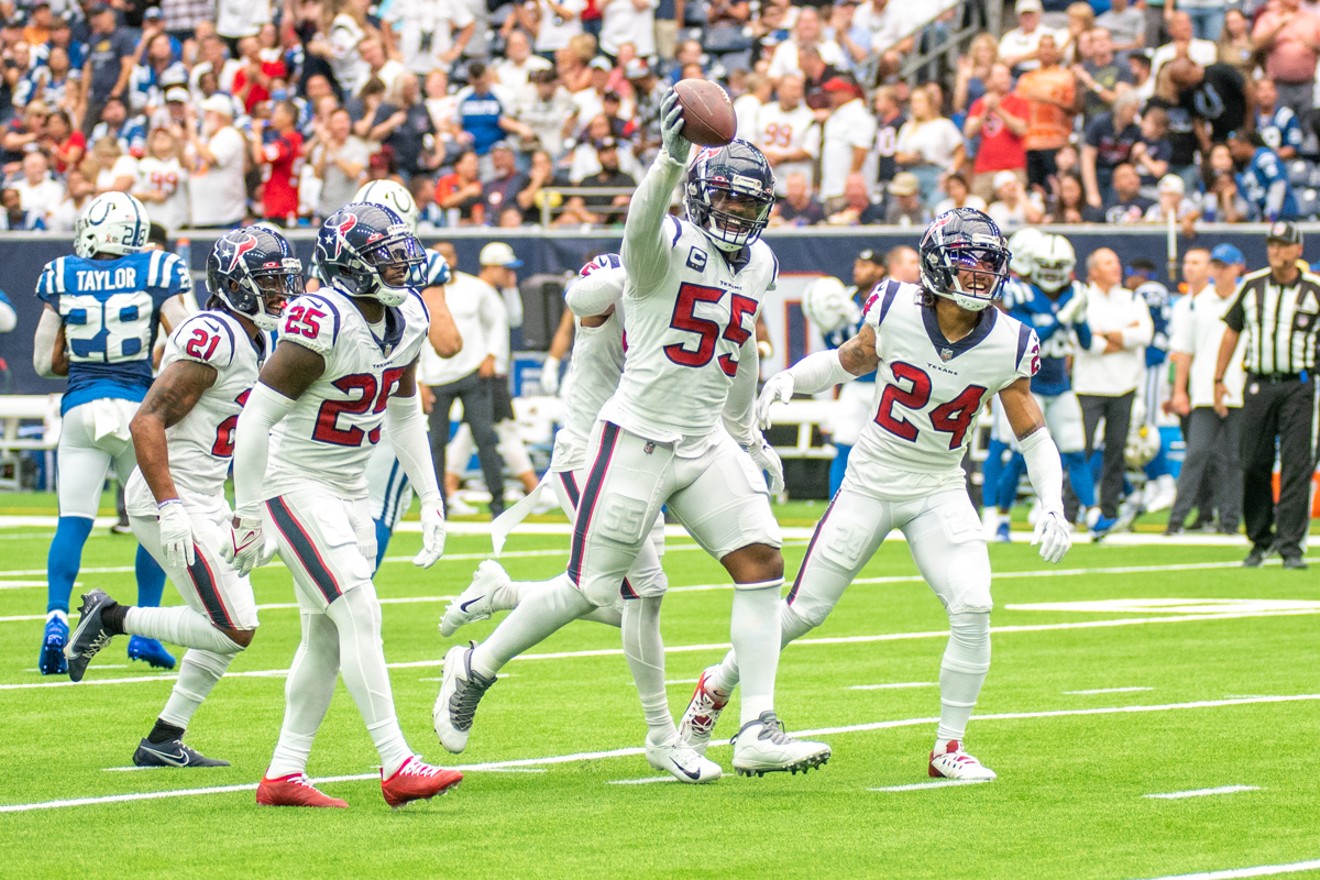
930,392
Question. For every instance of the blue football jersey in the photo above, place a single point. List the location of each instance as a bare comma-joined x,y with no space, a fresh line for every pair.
1029,304
848,331
111,311
1160,304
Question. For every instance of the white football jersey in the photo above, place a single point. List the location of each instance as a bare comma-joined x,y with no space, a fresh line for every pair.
201,444
328,436
929,392
598,358
784,131
684,329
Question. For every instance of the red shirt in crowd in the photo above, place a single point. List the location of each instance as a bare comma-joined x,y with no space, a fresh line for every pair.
1000,149
284,156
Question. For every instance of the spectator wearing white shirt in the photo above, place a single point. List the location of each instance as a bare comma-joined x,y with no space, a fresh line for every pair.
1213,443
847,138
162,184
79,191
806,32
929,145
890,24
787,133
628,21
513,71
38,191
1017,48
556,24
1106,375
428,33
218,189
1182,42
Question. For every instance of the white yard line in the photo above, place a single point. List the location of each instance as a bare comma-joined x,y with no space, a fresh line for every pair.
1202,792
646,781
1096,691
1258,871
892,686
636,751
924,786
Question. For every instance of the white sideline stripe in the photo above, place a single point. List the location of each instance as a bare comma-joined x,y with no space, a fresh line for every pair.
723,646
646,781
1131,690
1258,871
636,751
1202,792
893,686
922,786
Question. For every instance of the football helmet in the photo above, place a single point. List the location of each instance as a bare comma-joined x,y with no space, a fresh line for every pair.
1022,244
1053,262
254,272
112,223
366,250
730,191
964,240
826,304
392,195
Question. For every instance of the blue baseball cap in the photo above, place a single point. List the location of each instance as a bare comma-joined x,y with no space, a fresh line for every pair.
1227,254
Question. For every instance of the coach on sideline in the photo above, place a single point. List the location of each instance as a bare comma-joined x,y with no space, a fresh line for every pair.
1279,309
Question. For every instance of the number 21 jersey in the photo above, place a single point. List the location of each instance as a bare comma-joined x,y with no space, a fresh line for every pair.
930,392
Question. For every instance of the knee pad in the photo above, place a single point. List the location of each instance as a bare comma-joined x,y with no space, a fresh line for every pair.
795,621
969,642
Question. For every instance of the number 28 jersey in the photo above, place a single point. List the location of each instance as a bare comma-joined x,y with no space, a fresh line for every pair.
684,330
930,392
201,444
326,439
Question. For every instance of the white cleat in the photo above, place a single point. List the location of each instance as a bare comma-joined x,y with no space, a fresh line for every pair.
678,759
455,506
954,763
461,690
474,603
703,710
762,747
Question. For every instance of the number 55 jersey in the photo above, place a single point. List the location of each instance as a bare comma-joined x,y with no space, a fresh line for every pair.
929,392
325,440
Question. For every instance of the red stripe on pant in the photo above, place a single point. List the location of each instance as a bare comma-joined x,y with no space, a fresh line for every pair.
304,548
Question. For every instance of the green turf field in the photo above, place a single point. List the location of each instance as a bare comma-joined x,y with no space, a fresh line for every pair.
1196,676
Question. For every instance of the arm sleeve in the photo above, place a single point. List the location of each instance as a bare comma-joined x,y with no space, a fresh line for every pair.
817,372
406,427
43,343
8,317
645,246
740,407
263,410
594,294
1044,468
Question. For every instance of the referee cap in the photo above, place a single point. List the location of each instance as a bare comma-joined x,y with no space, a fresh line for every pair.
1284,232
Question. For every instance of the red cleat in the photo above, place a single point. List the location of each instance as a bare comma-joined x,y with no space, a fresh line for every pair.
294,790
417,780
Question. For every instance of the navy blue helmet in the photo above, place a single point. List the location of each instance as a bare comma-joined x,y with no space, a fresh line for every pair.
964,240
730,191
368,250
253,271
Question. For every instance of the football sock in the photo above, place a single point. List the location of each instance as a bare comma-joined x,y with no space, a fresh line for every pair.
150,579
755,633
178,625
198,673
791,626
962,671
64,560
307,694
163,731
541,612
112,618
645,651
356,614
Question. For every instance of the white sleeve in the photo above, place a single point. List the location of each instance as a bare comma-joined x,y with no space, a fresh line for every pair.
594,294
43,343
740,406
645,246
1044,468
406,428
263,410
817,372
8,317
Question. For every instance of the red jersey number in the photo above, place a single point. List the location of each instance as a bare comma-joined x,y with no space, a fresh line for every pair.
953,417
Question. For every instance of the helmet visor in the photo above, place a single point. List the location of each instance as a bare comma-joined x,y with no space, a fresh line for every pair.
278,285
979,269
399,260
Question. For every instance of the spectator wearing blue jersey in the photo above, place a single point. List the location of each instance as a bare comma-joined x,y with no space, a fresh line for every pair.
115,121
12,216
1277,124
482,114
110,58
1263,180
103,306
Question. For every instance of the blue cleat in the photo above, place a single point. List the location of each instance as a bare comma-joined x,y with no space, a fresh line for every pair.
51,661
1103,526
150,650
1002,534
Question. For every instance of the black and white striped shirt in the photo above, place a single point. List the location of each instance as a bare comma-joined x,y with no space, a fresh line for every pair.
1281,322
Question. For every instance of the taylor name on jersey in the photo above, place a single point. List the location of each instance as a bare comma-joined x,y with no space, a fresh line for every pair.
328,435
929,391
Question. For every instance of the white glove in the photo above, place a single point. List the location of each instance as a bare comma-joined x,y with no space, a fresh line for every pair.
765,458
671,128
433,533
247,542
779,389
269,548
1053,534
176,534
1074,310
550,376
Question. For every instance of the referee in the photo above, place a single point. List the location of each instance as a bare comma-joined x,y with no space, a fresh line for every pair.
1279,310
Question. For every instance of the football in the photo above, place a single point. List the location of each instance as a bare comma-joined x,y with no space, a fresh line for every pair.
708,118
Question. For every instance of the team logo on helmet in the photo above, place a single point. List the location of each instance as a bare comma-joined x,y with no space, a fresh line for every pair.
233,251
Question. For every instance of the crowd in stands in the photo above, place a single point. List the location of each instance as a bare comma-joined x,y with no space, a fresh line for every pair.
503,114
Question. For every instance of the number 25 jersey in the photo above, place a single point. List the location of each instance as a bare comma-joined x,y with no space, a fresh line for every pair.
327,437
929,392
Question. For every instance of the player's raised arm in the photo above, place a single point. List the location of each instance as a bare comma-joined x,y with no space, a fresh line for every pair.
645,249
819,371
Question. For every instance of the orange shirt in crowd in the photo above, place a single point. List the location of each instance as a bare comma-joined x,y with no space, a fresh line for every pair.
1048,125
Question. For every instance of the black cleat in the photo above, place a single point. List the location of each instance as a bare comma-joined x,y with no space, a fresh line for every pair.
90,636
1294,562
172,754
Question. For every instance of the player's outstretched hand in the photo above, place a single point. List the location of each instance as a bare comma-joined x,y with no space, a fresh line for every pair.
433,533
779,389
1074,310
550,376
766,459
246,543
1053,534
176,534
671,128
